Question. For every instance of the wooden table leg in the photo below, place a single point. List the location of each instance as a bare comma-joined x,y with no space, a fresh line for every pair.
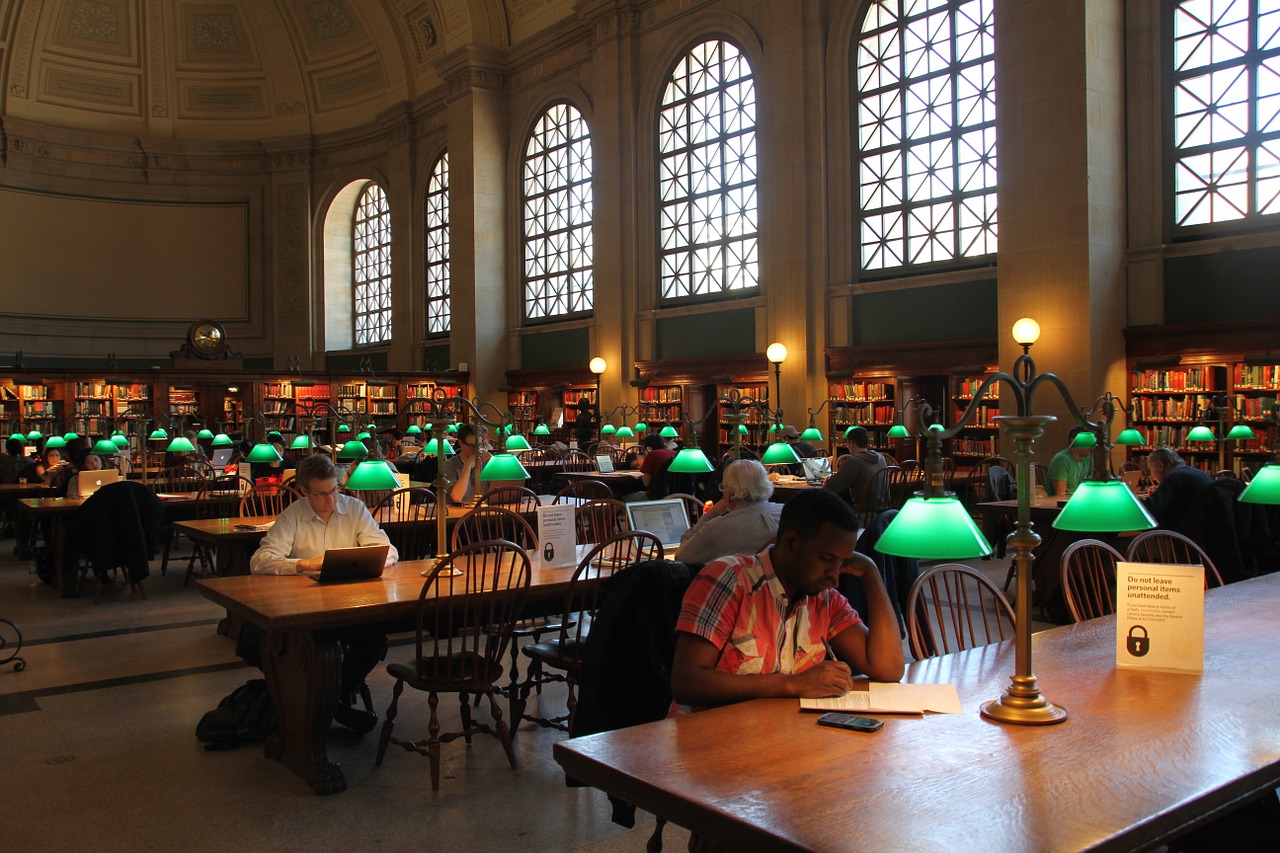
304,673
64,570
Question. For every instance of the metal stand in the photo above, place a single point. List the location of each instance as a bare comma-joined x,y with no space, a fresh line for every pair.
20,663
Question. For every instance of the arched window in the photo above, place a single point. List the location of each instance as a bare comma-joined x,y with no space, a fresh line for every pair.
1226,110
557,206
371,267
925,125
708,219
437,240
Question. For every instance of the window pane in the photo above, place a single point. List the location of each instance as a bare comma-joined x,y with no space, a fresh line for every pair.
708,220
437,248
371,267
1225,86
925,115
558,206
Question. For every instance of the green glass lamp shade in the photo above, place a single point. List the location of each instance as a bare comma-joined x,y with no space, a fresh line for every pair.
780,453
691,460
608,429
205,434
1240,432
1084,440
264,452
343,428
35,435
937,528
541,429
517,442
17,436
119,440
158,434
774,428
302,441
505,429
371,427
361,436
432,449
625,431
413,429
742,430
181,444
1264,488
350,450
72,435
54,442
1201,433
668,431
642,427
105,447
1130,437
811,434
451,429
895,431
222,440
503,466
855,426
370,475
1104,506
117,431
275,435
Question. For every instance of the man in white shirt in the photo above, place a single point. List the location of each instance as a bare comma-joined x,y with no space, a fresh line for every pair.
296,543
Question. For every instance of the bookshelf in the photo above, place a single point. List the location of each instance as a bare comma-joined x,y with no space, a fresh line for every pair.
1167,403
98,407
660,405
757,423
1254,388
35,407
862,402
979,438
523,406
571,398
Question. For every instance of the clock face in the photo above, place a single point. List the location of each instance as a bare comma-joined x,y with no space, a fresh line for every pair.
207,337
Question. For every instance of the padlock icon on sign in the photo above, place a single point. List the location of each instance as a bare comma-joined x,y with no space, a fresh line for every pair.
1138,645
548,552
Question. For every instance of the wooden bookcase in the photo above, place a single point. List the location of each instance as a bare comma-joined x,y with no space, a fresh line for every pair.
757,424
660,406
979,438
1254,388
862,401
1168,402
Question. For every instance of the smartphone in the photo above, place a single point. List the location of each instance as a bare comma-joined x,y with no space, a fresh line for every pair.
848,721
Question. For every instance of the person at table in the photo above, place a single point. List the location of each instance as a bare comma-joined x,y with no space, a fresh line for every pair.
803,449
1070,466
653,467
585,423
855,467
744,519
12,461
272,471
460,470
91,462
1177,486
296,543
758,626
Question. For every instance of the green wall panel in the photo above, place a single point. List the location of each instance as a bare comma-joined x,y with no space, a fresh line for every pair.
730,332
436,358
944,312
1226,286
555,349
350,362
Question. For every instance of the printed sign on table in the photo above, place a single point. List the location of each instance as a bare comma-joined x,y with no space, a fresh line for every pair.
1160,617
557,537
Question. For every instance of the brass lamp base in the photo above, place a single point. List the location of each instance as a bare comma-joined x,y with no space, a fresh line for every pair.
1023,705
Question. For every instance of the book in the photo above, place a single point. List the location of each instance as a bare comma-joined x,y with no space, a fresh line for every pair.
883,698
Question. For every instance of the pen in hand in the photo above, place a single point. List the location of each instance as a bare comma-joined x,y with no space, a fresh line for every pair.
831,654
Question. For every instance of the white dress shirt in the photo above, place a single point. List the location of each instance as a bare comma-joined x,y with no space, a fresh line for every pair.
300,534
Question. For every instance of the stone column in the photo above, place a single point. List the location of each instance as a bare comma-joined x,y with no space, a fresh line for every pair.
292,317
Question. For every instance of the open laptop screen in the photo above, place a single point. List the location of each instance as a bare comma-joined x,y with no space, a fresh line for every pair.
88,482
666,519
221,456
816,468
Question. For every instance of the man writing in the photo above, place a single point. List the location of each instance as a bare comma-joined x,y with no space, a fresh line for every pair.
759,626
296,543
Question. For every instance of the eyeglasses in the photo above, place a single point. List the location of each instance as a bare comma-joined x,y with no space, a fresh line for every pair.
332,493
469,443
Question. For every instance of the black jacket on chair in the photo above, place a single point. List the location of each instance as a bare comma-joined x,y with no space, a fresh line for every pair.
899,573
119,526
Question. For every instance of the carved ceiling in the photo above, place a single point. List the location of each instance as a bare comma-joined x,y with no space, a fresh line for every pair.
239,69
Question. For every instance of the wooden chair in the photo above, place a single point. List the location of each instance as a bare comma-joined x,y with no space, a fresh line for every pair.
179,479
948,472
267,499
619,456
877,495
586,490
1039,479
903,483
576,460
980,477
515,498
1167,546
693,505
220,498
1089,579
1225,472
460,649
564,651
951,608
535,462
408,516
492,522
599,520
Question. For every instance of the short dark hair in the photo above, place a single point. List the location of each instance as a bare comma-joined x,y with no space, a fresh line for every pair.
14,447
317,466
465,431
1074,431
812,508
655,442
858,436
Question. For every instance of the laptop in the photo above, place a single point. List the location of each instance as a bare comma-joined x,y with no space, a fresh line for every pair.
221,456
816,468
667,519
604,463
88,482
351,564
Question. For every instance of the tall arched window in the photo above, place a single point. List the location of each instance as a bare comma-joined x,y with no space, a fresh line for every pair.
708,218
371,267
925,125
557,205
437,240
1226,110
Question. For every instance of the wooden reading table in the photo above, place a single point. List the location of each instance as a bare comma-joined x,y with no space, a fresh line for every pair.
1143,757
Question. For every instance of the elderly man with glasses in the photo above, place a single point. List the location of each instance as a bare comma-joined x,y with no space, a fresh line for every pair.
296,543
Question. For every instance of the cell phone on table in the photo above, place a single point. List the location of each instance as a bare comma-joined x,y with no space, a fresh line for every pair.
848,721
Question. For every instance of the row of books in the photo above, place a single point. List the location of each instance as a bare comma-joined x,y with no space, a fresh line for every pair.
1262,376
858,391
136,391
1171,408
968,386
668,394
1180,379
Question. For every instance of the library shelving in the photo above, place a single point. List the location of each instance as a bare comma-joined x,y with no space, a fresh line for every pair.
523,406
571,398
981,436
756,422
1168,402
661,405
1254,388
866,403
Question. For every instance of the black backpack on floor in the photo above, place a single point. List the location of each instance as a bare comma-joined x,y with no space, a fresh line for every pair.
247,715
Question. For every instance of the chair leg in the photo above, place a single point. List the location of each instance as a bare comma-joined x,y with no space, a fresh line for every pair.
465,703
500,729
573,701
389,722
433,741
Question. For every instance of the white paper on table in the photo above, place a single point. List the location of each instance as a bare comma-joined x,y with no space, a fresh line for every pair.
885,698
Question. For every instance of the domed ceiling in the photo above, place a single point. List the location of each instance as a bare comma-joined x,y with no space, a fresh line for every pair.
238,69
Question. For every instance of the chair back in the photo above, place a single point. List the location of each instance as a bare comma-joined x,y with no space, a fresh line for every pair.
598,520
463,647
692,504
408,516
952,608
903,482
515,498
576,460
1089,579
587,490
877,494
1167,546
221,496
492,522
179,479
264,499
583,597
980,477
